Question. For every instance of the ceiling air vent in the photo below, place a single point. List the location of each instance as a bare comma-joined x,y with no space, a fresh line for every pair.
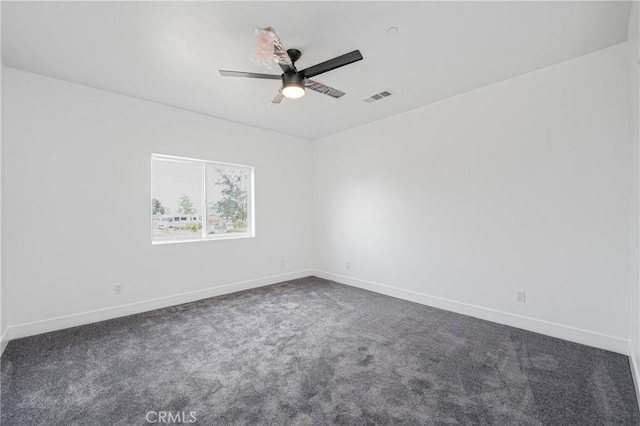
378,96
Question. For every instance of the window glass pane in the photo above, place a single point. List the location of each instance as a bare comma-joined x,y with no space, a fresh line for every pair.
176,190
178,211
228,197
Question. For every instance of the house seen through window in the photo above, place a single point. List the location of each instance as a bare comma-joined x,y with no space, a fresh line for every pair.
195,200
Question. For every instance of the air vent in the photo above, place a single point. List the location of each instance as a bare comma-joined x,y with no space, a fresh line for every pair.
378,96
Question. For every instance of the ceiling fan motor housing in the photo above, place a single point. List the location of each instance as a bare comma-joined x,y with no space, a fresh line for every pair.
293,79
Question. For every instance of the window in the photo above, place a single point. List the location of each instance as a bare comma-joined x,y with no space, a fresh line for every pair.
194,200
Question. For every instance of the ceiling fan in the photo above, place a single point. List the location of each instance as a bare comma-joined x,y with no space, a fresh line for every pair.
294,82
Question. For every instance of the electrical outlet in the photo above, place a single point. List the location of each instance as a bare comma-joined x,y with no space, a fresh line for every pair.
348,265
117,288
520,296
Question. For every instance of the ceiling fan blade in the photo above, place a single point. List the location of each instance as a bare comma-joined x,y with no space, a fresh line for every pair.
325,90
280,54
226,73
278,99
332,64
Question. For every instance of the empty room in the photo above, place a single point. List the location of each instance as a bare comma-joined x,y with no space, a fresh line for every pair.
320,213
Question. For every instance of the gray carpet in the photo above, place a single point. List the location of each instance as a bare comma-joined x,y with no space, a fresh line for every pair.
310,352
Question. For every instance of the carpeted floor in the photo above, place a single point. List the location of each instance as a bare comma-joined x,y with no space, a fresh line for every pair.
310,352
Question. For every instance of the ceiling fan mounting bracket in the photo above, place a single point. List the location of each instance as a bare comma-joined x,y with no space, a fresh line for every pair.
294,54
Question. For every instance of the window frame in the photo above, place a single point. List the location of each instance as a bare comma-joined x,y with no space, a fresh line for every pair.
203,236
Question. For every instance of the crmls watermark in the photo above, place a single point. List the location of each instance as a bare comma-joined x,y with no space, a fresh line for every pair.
171,417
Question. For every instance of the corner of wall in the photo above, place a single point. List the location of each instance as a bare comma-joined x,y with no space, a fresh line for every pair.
635,370
4,334
633,40
4,340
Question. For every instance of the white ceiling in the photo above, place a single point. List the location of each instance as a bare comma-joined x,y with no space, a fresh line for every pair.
169,52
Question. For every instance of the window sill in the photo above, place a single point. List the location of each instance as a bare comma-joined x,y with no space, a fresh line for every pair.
197,240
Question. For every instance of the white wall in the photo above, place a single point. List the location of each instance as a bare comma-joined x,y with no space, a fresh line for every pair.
520,185
77,205
3,299
634,139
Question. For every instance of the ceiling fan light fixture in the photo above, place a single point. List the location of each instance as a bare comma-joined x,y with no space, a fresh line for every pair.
293,91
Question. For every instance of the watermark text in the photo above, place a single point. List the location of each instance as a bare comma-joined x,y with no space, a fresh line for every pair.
171,417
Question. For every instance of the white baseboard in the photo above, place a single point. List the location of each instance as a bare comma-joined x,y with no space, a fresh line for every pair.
58,323
561,331
4,340
565,332
635,373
